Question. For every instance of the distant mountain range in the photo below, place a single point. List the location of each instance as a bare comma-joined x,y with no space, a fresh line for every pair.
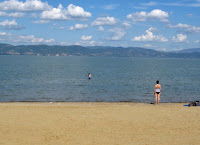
191,50
76,50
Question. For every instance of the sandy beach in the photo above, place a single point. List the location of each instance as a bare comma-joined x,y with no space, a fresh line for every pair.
99,124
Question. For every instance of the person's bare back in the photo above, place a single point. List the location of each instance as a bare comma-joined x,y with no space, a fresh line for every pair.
157,92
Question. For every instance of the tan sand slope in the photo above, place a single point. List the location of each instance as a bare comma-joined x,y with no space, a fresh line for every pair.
98,124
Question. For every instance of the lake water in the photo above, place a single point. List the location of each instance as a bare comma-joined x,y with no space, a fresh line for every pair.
114,79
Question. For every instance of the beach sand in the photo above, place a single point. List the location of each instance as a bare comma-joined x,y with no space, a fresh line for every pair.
99,124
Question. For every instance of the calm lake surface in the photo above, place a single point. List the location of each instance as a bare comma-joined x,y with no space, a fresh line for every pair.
114,79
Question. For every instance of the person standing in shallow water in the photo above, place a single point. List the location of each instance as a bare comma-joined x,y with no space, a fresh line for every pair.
89,76
157,92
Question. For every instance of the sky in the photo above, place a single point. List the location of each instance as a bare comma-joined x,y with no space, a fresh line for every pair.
154,24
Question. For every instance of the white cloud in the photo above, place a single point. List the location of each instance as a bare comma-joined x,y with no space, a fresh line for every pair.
147,45
186,27
118,34
197,41
149,36
3,14
88,43
49,41
190,15
78,27
179,38
3,33
150,4
30,39
136,7
10,25
55,14
16,15
104,21
86,38
28,5
76,11
92,43
179,26
41,21
71,13
33,39
81,26
33,15
161,49
138,16
179,4
126,24
111,7
100,28
4,36
155,14
71,28
61,27
158,14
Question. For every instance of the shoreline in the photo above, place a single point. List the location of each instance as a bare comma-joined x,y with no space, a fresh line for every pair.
12,104
97,123
34,102
89,102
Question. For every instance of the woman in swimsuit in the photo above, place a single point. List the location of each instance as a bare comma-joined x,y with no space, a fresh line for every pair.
157,91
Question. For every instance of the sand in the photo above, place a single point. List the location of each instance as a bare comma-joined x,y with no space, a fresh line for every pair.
99,124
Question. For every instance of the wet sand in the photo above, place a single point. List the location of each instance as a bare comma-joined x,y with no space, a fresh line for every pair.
99,124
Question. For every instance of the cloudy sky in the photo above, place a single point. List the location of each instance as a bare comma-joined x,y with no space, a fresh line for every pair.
160,25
